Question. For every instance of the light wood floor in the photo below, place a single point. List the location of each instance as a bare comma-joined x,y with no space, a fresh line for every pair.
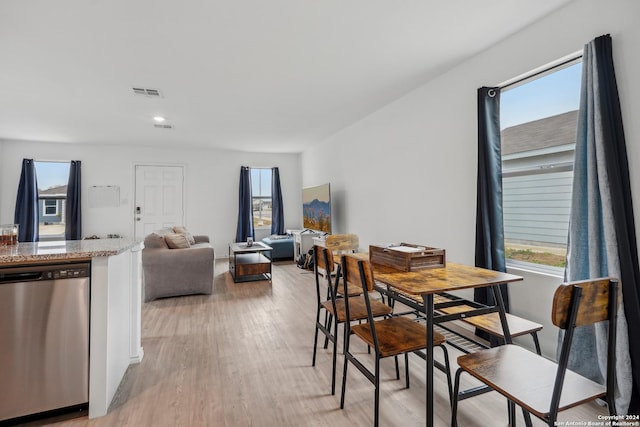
242,357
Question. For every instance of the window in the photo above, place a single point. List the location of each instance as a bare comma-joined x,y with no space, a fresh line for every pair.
261,197
539,122
50,207
52,195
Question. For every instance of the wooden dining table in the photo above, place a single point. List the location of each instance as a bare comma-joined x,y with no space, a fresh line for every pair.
428,282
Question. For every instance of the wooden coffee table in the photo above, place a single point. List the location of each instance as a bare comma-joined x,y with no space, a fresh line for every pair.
248,263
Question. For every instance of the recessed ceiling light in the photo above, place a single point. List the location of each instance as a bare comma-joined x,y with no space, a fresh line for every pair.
159,119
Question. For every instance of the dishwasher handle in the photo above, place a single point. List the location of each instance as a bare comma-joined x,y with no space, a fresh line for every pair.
34,273
26,276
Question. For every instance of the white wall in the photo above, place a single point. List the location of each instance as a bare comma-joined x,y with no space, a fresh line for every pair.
408,171
211,184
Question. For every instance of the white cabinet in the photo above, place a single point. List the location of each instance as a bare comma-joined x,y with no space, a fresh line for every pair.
320,241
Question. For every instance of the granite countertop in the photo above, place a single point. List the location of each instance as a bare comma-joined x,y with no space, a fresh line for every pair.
64,250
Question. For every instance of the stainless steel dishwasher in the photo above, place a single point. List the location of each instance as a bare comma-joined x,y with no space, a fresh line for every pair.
44,338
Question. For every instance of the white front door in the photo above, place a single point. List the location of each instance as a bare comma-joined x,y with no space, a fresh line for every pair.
159,198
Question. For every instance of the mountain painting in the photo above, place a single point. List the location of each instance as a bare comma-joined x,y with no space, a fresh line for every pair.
316,208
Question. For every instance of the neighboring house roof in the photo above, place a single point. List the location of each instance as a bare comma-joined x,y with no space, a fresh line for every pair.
53,191
548,132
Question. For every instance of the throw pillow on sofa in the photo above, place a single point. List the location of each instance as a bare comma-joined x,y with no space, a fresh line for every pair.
183,230
155,241
176,241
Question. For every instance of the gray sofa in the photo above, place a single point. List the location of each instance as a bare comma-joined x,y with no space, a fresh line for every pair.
175,272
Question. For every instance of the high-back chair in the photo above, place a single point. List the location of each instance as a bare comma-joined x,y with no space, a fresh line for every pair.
391,336
334,307
538,385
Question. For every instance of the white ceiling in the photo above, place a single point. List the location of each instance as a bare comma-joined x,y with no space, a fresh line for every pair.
253,75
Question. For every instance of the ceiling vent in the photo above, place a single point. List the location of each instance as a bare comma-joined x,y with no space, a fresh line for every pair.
148,92
162,126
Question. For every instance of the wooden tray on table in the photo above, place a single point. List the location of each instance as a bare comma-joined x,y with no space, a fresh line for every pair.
407,256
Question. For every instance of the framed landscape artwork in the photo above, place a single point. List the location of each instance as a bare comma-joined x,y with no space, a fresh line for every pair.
316,208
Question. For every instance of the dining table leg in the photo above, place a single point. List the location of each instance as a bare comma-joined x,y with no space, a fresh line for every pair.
428,305
497,296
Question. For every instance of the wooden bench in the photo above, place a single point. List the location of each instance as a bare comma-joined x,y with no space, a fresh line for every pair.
490,323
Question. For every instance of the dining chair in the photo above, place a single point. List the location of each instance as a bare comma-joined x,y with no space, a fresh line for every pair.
536,384
334,306
391,336
340,244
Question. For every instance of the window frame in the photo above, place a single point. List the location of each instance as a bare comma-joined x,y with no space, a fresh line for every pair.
44,206
44,217
260,198
540,169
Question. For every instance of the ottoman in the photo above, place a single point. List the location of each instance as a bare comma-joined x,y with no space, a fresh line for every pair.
282,247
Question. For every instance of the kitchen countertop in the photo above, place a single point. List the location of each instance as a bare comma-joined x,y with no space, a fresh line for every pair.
69,250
